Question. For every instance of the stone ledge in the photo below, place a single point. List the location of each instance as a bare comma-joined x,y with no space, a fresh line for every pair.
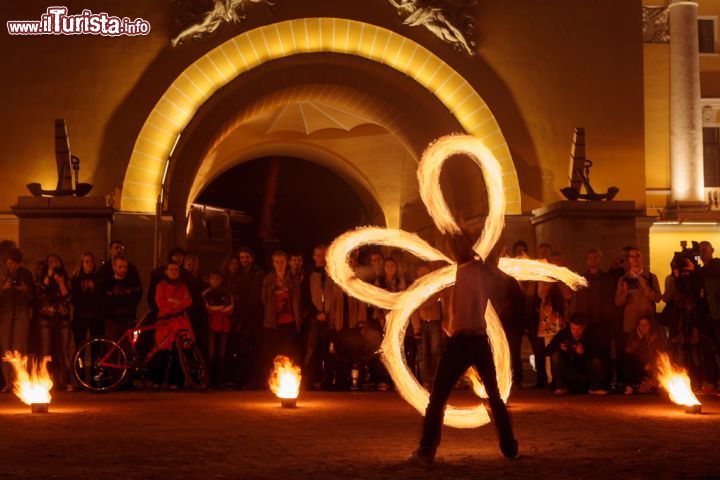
62,207
567,208
690,212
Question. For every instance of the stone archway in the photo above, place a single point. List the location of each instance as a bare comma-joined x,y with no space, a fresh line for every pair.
358,136
177,107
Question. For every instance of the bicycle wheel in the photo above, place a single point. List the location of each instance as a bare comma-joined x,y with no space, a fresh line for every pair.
192,363
97,377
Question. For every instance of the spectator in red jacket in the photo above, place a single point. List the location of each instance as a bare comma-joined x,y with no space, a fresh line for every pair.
173,300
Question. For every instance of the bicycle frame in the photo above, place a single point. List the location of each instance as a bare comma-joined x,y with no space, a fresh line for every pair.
131,335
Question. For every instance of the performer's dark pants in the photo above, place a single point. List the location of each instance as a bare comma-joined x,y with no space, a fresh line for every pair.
461,352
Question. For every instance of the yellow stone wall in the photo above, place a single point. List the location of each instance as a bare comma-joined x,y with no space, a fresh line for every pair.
657,107
665,237
543,68
657,125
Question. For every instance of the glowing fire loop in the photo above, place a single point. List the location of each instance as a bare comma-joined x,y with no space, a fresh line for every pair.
284,380
676,382
32,385
403,304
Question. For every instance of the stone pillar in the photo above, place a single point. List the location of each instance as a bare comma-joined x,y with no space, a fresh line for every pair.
686,148
572,228
67,226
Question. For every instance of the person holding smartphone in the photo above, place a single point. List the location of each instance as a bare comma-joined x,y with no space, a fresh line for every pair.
637,293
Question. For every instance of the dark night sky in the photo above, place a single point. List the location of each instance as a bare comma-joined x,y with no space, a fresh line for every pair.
313,206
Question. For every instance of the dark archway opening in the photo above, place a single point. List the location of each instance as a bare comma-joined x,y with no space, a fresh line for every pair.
293,205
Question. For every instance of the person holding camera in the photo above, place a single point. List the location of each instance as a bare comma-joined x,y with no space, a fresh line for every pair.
637,293
16,300
576,353
87,301
54,317
685,315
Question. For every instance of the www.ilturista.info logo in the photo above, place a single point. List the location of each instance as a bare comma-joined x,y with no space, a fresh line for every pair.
56,21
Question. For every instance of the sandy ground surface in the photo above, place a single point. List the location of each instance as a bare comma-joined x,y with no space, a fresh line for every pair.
344,435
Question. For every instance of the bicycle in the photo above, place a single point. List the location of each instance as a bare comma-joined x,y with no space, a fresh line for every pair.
101,364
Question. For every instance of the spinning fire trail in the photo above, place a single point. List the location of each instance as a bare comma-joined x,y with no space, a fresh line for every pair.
402,304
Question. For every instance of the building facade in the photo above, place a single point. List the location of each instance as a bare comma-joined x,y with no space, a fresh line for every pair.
362,88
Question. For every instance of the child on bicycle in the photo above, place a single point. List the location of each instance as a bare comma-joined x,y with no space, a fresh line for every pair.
173,300
219,307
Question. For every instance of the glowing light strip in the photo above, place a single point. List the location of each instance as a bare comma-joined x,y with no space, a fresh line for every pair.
205,76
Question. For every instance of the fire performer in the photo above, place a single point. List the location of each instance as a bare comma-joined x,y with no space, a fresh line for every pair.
468,345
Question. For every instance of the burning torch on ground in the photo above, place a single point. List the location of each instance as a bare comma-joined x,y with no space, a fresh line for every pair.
31,385
284,381
677,383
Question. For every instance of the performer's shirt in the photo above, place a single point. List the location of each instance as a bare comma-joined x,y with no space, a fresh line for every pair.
472,287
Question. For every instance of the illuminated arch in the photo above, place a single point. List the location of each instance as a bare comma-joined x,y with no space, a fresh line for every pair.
198,82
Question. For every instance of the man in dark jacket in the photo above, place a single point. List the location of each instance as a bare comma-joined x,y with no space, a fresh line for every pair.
122,293
318,294
116,249
16,300
246,335
710,334
576,364
597,302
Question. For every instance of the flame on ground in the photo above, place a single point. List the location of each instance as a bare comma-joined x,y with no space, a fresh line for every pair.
676,382
30,385
285,378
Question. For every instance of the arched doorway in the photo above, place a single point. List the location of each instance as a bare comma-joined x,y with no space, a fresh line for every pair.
152,155
291,204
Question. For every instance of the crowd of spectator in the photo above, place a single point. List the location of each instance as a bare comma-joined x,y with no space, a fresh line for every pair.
608,336
602,338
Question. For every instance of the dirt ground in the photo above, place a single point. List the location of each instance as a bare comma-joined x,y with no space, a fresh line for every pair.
342,435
